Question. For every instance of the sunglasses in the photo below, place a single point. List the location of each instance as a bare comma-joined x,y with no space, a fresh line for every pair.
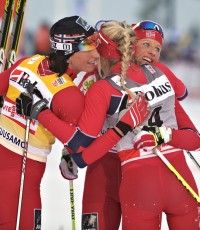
149,25
89,43
100,23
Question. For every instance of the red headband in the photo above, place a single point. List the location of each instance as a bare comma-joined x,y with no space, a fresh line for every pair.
152,34
107,48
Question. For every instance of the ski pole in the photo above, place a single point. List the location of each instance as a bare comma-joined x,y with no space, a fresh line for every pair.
177,174
193,158
71,192
23,169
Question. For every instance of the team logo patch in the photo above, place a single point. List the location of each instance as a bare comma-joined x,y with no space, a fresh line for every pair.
59,81
89,221
37,219
83,23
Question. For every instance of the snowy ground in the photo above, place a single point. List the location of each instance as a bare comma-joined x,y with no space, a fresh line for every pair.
55,190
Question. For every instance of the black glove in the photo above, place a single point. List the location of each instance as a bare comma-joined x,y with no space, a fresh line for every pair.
26,106
1,102
68,167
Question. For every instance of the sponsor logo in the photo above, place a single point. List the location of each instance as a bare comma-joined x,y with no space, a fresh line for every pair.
87,83
89,221
21,78
150,68
10,137
72,203
59,81
158,91
37,219
9,110
83,23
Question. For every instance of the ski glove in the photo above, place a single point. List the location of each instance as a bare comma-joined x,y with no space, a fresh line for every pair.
133,116
27,106
1,102
68,167
151,136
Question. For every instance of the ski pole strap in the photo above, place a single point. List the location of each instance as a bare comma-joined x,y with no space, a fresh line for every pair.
177,174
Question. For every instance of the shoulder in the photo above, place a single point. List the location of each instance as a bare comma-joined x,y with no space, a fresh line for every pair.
69,93
68,103
178,85
67,97
100,86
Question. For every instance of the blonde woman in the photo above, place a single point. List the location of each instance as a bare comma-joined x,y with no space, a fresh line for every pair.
135,152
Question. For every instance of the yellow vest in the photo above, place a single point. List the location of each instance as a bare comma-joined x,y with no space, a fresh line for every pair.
12,125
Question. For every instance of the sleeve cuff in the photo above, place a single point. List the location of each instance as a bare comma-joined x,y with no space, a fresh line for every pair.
77,157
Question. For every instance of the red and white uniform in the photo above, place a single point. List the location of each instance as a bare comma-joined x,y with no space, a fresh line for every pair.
12,129
100,100
99,198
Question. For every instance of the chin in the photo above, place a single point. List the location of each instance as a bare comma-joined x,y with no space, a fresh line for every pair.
91,69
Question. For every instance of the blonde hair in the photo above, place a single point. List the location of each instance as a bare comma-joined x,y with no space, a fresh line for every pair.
122,34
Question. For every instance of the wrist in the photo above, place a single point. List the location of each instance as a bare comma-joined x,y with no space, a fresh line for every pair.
118,131
78,159
122,128
166,133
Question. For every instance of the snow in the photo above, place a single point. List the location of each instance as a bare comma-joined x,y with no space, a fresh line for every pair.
55,189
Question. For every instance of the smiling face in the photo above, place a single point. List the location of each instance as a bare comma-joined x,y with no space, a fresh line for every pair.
86,61
147,51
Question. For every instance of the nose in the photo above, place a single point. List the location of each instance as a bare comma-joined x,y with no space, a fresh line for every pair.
152,51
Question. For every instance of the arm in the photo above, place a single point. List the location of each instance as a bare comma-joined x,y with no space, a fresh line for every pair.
187,136
66,109
4,77
90,123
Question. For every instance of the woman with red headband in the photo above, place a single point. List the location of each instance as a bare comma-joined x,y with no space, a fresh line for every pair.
104,195
144,197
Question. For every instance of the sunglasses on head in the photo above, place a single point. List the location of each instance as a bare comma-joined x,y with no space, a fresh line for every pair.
149,25
100,23
89,43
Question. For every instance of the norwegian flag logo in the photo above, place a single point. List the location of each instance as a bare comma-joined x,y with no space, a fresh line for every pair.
17,75
150,34
150,68
65,38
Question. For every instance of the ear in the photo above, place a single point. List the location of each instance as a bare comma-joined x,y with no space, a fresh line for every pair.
134,47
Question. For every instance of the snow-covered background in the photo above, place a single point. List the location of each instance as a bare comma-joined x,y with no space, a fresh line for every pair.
55,190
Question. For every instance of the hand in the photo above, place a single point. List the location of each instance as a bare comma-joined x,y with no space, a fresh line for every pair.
151,136
133,116
25,105
68,167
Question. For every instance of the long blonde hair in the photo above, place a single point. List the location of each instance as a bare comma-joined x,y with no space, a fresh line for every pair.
123,36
